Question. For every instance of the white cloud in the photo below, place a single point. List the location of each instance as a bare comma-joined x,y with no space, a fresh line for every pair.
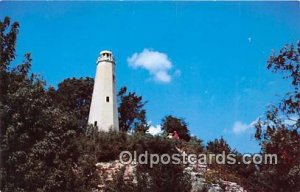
162,76
240,127
156,63
154,130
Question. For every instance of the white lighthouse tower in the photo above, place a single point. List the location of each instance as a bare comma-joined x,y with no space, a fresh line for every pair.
103,111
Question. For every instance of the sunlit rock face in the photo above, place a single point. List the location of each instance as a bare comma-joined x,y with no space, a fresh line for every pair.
107,171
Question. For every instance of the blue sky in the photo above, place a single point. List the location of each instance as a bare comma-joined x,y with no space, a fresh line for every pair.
210,57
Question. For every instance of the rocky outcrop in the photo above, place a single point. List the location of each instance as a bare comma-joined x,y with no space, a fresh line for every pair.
107,170
199,183
197,172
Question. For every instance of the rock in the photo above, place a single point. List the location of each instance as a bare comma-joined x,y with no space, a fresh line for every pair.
215,188
108,169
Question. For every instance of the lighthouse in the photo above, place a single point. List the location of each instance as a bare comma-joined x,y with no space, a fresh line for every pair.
103,110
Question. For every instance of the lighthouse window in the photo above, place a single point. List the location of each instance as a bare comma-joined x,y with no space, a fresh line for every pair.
95,123
107,99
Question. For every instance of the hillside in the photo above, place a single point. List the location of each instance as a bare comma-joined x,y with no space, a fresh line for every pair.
46,144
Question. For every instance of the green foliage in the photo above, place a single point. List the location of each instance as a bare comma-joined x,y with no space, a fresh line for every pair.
38,144
109,145
169,177
8,33
42,145
170,124
195,141
218,146
74,96
243,174
193,146
278,132
162,177
132,115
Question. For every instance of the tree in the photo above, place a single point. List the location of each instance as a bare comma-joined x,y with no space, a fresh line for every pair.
195,145
74,96
278,132
8,40
170,124
8,34
38,144
218,146
132,115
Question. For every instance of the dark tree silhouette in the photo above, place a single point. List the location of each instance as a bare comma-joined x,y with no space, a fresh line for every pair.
170,124
132,115
74,96
38,145
278,132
